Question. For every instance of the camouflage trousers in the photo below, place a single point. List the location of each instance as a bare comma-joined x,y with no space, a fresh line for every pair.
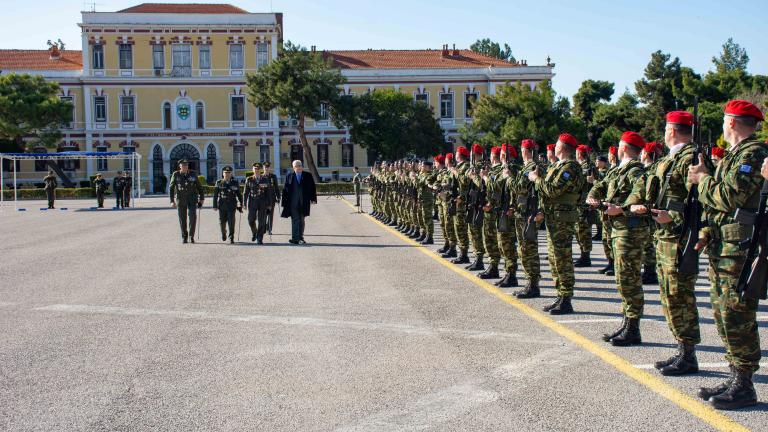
490,237
678,296
461,228
627,261
426,210
649,250
560,253
446,223
584,232
507,241
528,251
607,237
735,317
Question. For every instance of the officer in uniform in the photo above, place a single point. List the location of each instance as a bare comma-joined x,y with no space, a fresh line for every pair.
528,249
50,188
187,195
627,232
357,182
127,188
101,188
677,291
584,224
733,188
227,199
276,194
459,173
559,192
257,197
118,184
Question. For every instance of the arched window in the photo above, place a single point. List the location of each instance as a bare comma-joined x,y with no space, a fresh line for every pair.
347,155
200,115
322,155
210,164
238,156
167,115
158,176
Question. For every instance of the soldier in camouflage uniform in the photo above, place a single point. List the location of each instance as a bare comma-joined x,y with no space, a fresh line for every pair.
50,188
523,197
227,199
461,178
584,224
507,236
559,192
449,186
601,165
677,291
426,184
101,188
475,212
187,196
491,206
608,270
627,231
650,157
440,195
734,186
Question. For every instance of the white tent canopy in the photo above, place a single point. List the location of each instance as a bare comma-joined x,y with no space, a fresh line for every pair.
70,155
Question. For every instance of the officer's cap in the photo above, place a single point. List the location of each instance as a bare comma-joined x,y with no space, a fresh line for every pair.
267,164
256,165
183,162
227,169
98,174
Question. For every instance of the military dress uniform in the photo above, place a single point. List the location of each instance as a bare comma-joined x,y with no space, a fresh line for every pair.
50,188
227,199
275,194
258,195
118,184
559,192
101,188
188,195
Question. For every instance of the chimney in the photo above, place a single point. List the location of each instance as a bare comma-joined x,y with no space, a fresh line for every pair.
54,52
455,51
313,48
445,50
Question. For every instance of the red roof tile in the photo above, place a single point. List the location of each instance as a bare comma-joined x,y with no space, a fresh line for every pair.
407,59
12,59
188,8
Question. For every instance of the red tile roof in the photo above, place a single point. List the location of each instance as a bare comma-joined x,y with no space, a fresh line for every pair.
188,8
407,59
12,59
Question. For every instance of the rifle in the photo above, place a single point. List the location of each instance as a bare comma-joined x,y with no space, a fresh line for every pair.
531,230
753,280
688,257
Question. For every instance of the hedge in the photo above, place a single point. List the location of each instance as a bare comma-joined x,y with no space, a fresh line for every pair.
60,193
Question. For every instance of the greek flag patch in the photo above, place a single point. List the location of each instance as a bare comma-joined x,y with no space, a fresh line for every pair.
746,169
566,175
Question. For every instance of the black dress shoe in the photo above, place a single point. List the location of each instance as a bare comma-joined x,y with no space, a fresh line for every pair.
302,242
292,241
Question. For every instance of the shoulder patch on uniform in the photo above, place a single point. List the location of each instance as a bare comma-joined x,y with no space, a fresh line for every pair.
566,175
746,169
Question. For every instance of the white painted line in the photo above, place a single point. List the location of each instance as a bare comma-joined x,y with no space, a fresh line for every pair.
289,321
701,365
604,320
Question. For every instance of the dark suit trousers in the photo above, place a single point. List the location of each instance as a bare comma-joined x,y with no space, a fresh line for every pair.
297,224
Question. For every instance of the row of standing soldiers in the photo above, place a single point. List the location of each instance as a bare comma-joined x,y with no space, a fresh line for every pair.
122,186
495,205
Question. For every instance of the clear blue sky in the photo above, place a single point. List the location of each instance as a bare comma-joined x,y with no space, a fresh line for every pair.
606,40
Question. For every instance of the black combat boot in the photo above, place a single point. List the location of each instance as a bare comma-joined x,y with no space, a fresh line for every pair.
192,239
462,259
740,394
509,280
608,336
477,265
450,253
661,364
607,268
531,290
445,247
399,227
630,335
416,234
562,308
392,222
184,239
428,240
583,261
708,392
611,271
684,364
649,276
492,272
422,237
231,240
253,237
555,304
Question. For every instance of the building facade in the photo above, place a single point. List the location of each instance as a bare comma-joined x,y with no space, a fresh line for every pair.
169,82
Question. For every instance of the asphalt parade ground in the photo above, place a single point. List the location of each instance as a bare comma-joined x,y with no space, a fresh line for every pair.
108,322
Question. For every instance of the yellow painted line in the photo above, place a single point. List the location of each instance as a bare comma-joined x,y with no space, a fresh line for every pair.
699,409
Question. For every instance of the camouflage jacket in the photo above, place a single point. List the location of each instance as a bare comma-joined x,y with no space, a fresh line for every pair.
561,188
616,189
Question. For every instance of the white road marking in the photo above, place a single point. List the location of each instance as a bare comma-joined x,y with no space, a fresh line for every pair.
289,321
603,320
701,365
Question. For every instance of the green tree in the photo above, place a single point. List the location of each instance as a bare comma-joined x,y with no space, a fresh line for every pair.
300,84
663,79
732,58
517,112
586,100
493,49
30,107
622,115
390,124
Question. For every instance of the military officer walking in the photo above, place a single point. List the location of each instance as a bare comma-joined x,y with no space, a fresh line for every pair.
275,193
187,196
227,199
101,188
733,188
50,188
127,189
118,184
259,194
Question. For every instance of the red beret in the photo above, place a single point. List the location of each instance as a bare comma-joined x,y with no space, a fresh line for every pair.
680,117
449,156
633,139
613,150
718,151
653,147
568,139
583,148
528,144
743,108
439,159
495,150
513,152
550,147
462,151
477,149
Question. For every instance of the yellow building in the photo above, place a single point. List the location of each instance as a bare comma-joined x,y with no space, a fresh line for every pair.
168,81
